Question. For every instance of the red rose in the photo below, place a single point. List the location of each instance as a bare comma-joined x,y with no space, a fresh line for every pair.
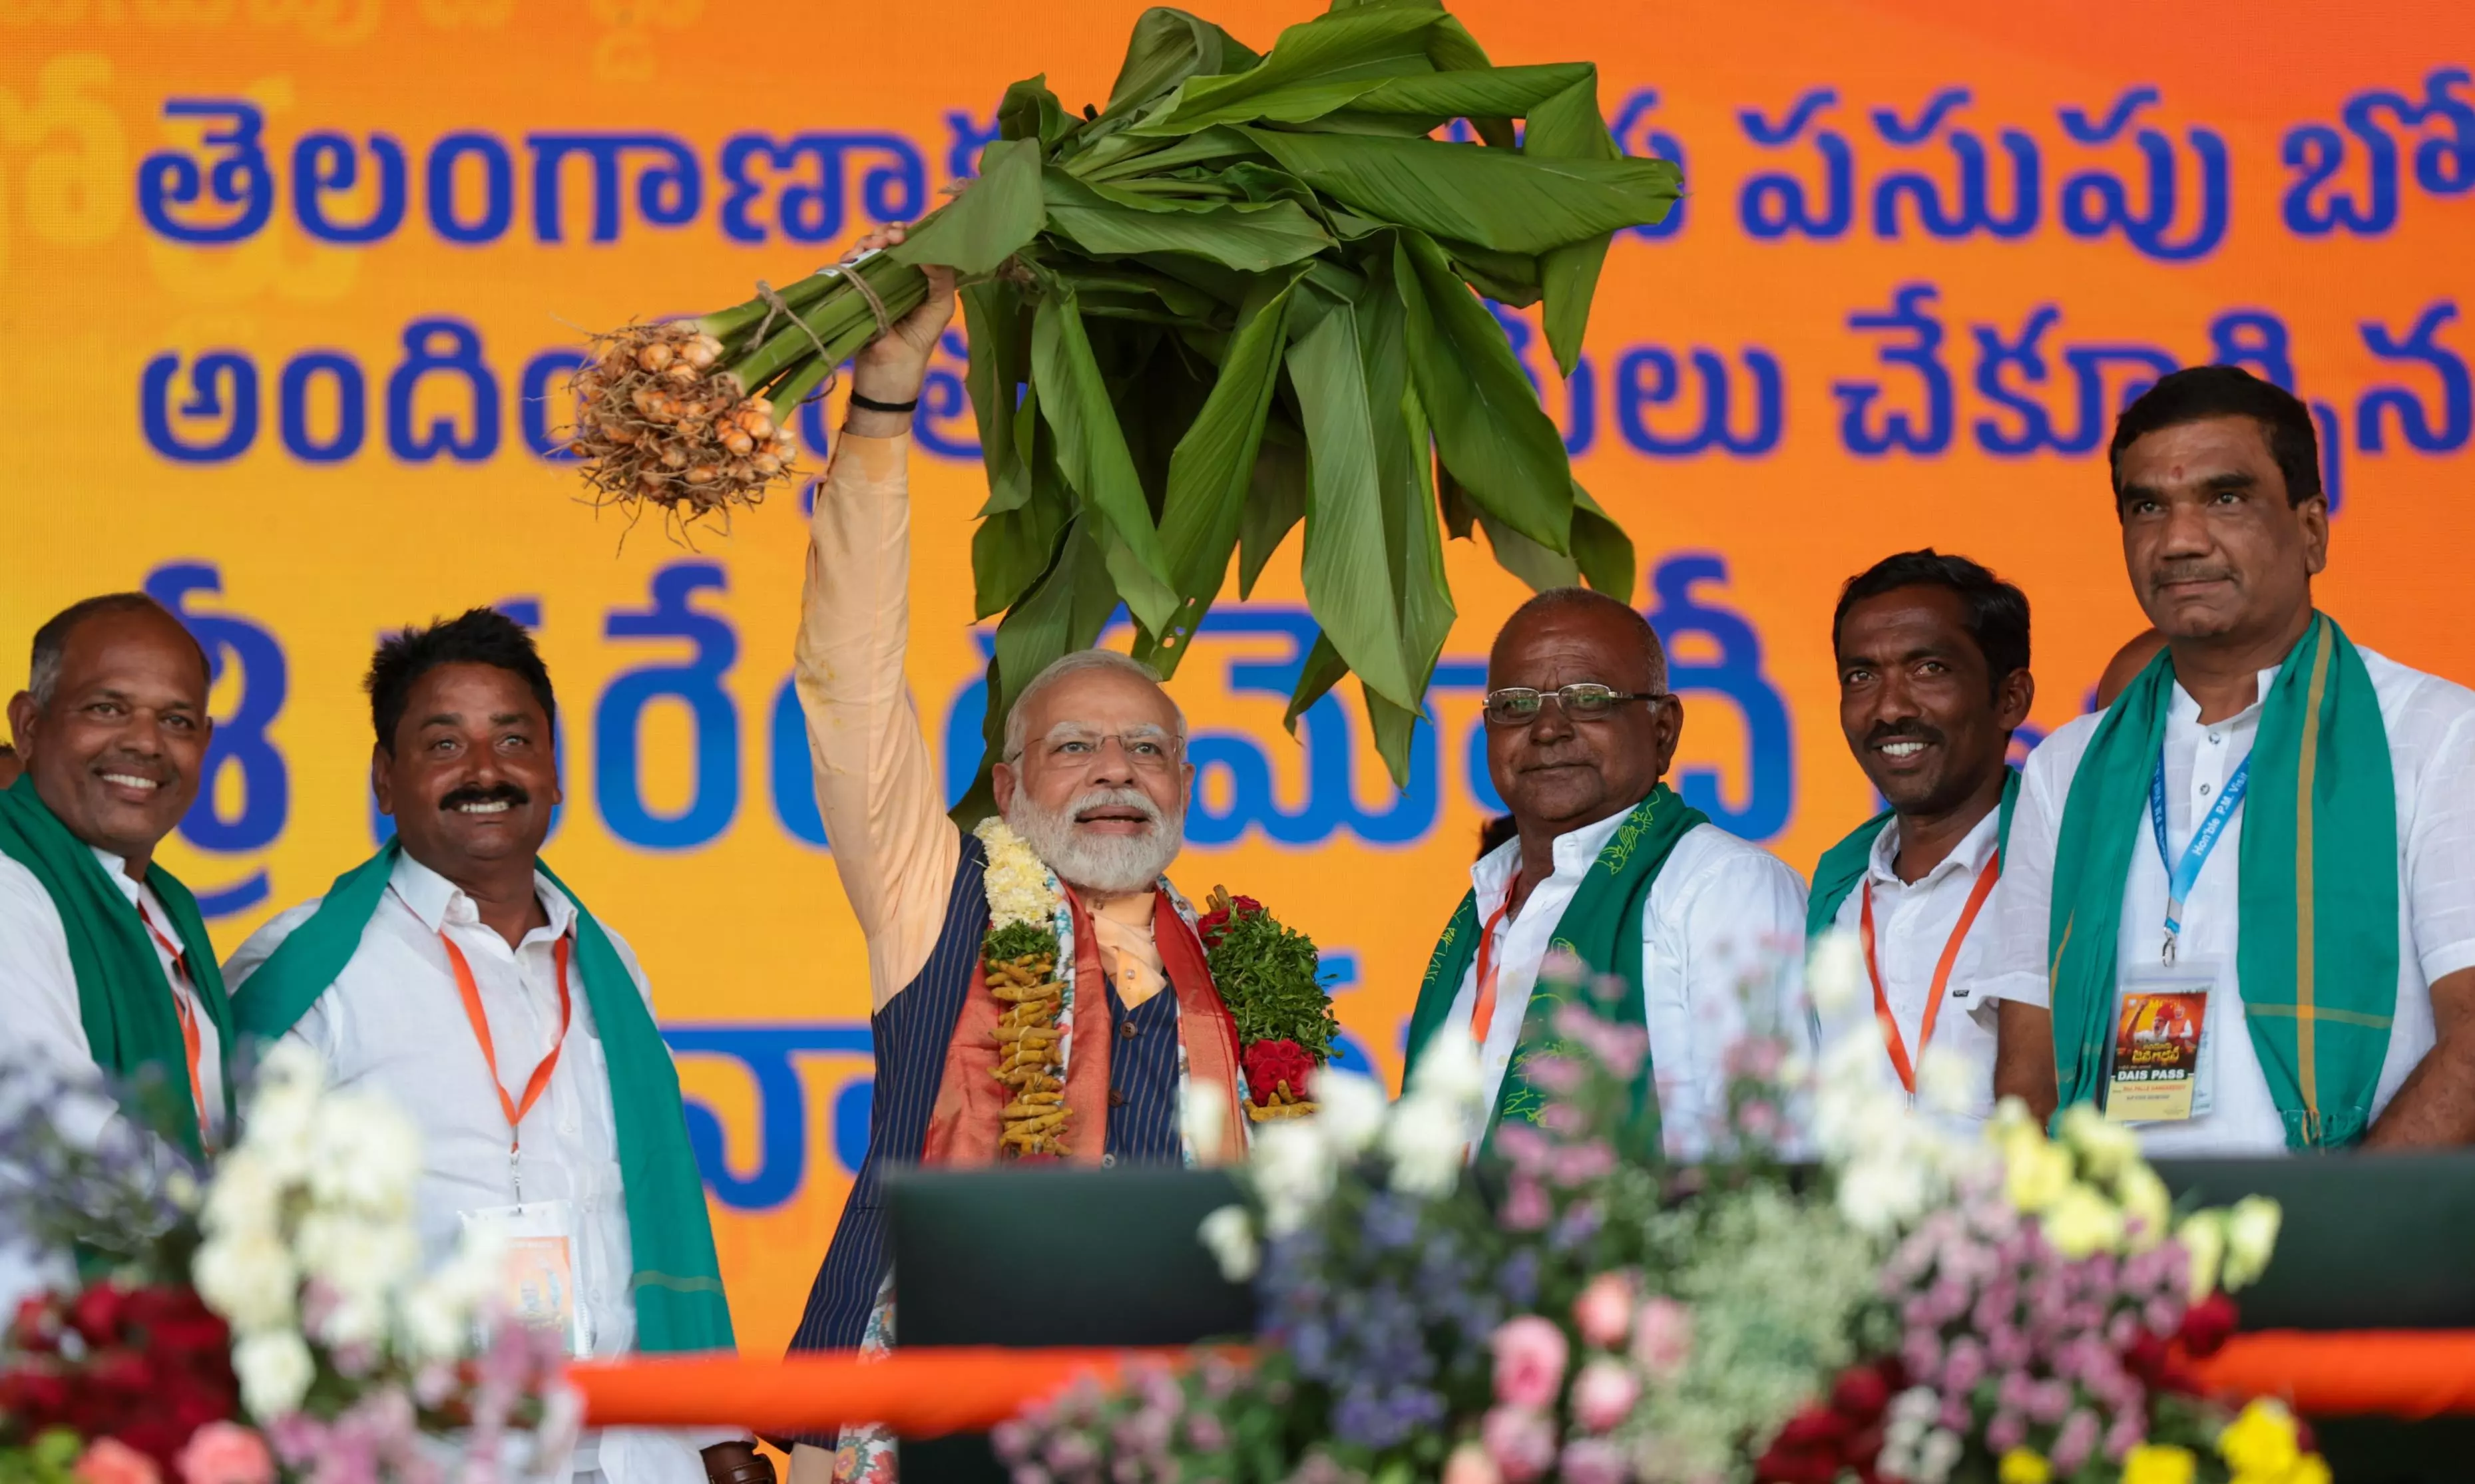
96,1313
2207,1323
1269,1063
1814,1428
1861,1392
1214,924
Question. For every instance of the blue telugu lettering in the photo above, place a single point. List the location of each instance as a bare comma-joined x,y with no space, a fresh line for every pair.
241,736
327,162
2096,203
2420,346
2445,161
1908,316
813,210
237,178
1975,213
2089,365
1631,126
618,722
223,387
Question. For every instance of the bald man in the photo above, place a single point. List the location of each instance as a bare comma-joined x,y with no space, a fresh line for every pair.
1608,862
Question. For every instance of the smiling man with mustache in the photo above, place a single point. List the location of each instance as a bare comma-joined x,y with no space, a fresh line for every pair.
2269,834
456,974
1933,679
104,958
1610,863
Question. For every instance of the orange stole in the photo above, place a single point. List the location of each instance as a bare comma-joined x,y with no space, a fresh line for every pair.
964,1126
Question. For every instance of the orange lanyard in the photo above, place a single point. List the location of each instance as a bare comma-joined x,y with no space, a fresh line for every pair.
191,1041
1899,1062
1482,1013
539,1082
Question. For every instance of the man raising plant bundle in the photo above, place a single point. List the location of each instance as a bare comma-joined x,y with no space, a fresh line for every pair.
2238,905
1607,863
453,973
1039,990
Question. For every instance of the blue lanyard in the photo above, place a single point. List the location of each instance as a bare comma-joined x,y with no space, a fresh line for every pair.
2181,879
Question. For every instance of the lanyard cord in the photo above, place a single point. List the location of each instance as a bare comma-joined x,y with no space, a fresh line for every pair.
534,1085
1899,1050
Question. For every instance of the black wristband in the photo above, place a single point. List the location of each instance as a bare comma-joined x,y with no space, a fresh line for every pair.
872,404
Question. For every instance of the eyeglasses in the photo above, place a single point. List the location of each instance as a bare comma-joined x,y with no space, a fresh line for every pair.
1149,750
1517,705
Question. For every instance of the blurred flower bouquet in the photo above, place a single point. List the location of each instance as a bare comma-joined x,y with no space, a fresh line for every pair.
1267,974
271,1323
1919,1308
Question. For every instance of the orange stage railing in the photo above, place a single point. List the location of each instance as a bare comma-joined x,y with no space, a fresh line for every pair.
923,1393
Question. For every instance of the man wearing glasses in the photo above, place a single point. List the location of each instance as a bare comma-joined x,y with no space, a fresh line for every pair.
1702,930
1091,789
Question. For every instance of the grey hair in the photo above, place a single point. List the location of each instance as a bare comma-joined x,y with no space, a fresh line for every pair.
1555,600
52,639
1017,722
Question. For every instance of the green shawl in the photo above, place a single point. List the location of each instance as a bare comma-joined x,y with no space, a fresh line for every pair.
2317,956
1843,867
123,1000
677,1282
1602,928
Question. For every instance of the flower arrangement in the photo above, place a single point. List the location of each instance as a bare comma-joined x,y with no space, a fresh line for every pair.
1018,962
1924,1309
1268,975
274,1322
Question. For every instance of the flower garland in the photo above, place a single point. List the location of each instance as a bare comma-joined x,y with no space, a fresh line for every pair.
1030,941
1269,976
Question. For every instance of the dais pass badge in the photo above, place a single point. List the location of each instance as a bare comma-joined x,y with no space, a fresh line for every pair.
542,1276
2158,1069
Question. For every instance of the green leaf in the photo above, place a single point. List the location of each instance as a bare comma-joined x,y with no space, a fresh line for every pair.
1166,48
1493,434
1065,612
1093,455
994,220
1568,126
993,320
1494,92
1313,68
1213,469
1210,145
1526,559
1413,540
1013,549
1348,583
1601,549
1322,668
1029,110
1247,237
1453,49
1510,202
1276,502
1506,278
1395,731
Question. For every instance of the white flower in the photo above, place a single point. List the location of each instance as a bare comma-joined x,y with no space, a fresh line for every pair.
2203,1235
437,1324
367,1155
2251,1236
1230,1234
1349,1110
281,1130
1018,885
245,1198
361,1260
274,1372
247,1278
1937,1455
1427,1139
1202,1116
1834,974
1293,1171
1449,1072
1946,1083
1878,1196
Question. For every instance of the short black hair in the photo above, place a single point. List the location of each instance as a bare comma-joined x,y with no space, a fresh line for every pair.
2197,393
477,636
51,646
1998,613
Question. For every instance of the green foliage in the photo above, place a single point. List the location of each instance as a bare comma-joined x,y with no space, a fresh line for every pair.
50,1459
1266,974
1018,940
1266,265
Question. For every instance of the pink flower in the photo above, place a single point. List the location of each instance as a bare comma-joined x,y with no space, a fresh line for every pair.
1529,1354
1603,1394
1662,1337
1604,1312
1470,1463
1526,1208
1521,1442
226,1454
1593,1461
110,1461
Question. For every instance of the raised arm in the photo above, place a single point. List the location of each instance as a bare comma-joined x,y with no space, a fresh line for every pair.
876,785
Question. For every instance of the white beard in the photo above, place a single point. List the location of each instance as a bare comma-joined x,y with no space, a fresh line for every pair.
1108,863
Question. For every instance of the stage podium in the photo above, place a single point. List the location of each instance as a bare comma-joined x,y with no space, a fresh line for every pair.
1102,1257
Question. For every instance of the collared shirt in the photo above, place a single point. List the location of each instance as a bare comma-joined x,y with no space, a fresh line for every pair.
2431,726
1912,924
1723,914
394,1022
38,992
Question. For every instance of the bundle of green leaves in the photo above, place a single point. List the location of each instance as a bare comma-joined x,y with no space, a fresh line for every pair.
1267,974
1241,295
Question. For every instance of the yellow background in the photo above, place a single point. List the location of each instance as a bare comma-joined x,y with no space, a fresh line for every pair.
749,928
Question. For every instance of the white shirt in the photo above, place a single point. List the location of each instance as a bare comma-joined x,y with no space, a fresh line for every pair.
1912,924
2430,725
38,993
1721,912
395,1021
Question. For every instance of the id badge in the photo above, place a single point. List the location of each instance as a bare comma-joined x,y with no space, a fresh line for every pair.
2160,1066
543,1279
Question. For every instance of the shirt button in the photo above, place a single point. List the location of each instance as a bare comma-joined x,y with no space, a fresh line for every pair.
2216,738
1108,1162
1126,1029
2204,790
1117,1099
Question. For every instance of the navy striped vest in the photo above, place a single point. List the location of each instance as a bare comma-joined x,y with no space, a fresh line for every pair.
913,1034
